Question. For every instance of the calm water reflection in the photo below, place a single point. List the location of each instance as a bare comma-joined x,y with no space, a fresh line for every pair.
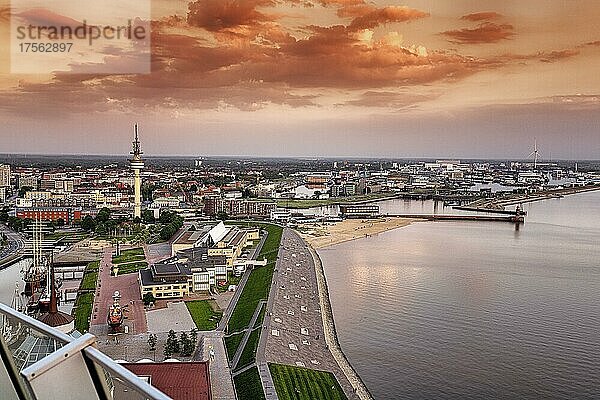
451,310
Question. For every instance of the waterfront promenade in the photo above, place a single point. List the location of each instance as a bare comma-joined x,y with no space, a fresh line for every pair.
297,329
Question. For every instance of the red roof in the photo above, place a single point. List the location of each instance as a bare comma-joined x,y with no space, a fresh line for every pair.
178,380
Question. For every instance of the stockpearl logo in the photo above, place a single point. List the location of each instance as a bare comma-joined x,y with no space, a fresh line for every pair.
67,36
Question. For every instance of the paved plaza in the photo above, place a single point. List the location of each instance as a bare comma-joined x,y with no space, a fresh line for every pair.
129,289
175,316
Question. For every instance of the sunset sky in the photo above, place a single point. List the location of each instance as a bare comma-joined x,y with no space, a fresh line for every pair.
349,78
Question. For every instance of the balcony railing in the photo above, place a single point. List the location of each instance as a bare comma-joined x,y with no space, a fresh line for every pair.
39,363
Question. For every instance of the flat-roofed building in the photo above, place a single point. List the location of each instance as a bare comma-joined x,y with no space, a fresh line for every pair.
219,239
166,280
207,271
359,210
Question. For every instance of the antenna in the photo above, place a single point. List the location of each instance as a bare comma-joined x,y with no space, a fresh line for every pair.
535,153
137,149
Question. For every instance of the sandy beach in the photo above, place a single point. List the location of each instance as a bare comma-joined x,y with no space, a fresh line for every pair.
327,234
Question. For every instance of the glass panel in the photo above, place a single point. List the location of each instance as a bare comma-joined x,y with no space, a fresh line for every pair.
121,383
7,390
25,344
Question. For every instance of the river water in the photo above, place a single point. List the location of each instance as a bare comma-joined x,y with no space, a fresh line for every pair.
474,310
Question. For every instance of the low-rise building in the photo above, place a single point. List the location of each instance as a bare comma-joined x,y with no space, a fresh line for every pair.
166,280
359,210
67,214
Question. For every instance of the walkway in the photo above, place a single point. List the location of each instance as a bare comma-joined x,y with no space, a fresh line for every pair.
128,287
295,333
221,380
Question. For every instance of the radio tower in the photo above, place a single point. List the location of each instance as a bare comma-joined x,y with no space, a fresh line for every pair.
535,154
137,164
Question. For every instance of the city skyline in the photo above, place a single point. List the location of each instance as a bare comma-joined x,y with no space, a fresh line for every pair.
332,78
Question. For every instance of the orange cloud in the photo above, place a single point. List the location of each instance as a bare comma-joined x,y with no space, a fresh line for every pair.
558,55
487,32
216,15
481,16
379,16
4,14
255,61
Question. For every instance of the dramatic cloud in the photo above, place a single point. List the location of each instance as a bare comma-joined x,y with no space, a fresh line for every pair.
373,17
216,15
487,32
481,16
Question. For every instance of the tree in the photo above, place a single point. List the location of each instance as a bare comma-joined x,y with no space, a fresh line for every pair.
152,339
148,298
172,345
186,346
24,190
88,224
222,215
148,217
103,215
101,229
60,222
4,215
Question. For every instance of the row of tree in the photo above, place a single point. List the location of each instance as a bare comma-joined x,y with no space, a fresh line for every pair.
184,346
172,223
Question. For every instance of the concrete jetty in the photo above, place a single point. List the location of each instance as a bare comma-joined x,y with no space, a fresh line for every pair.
435,217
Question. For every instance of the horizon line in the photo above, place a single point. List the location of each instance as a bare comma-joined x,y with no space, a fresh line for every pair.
18,154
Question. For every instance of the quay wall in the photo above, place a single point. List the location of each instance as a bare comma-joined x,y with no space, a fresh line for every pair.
330,332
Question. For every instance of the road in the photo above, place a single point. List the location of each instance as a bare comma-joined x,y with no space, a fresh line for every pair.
15,247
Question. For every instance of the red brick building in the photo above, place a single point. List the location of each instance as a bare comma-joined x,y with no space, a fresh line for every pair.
67,214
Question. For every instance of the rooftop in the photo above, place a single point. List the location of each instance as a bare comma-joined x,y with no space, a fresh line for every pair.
179,380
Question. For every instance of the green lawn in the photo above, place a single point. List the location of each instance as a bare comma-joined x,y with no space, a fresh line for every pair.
261,316
203,314
130,255
296,383
131,267
94,266
259,282
89,281
67,237
249,353
248,386
232,343
82,311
